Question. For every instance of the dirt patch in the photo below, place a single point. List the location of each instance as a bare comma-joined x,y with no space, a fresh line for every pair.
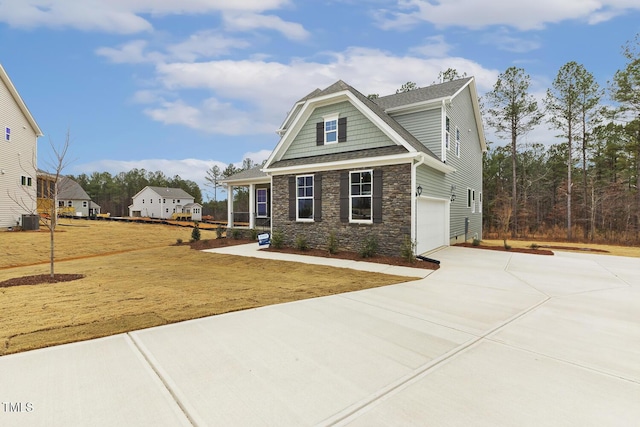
502,249
352,256
218,243
40,279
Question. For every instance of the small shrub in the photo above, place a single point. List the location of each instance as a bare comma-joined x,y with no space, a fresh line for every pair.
219,231
534,246
235,234
476,242
332,243
301,243
195,233
408,250
277,239
178,241
369,246
253,233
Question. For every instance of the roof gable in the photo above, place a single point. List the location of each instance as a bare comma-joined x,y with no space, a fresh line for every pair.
336,93
4,77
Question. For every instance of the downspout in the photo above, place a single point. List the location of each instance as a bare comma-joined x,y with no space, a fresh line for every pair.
414,200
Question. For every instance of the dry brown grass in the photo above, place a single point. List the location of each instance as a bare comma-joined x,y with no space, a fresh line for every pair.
135,279
630,251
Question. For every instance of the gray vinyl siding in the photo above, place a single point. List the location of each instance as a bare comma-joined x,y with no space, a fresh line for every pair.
17,159
433,182
361,133
426,126
468,168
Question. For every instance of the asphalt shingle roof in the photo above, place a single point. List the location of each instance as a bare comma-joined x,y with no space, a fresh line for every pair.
172,193
422,94
336,157
254,172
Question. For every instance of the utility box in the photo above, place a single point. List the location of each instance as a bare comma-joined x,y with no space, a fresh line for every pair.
30,222
466,228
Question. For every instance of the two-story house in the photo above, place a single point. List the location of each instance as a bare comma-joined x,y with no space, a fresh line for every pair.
403,166
165,203
19,133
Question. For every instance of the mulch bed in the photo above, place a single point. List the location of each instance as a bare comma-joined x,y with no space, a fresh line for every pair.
389,260
502,249
39,279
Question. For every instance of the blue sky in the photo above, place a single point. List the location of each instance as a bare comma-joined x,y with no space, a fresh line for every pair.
182,85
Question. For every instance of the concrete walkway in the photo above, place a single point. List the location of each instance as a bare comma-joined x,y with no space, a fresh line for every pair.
489,339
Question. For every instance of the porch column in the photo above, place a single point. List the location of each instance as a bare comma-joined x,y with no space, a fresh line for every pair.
229,206
252,206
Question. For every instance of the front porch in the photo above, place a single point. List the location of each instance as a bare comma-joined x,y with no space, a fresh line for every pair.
249,200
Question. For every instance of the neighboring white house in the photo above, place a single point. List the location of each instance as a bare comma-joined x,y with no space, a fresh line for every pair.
163,203
19,133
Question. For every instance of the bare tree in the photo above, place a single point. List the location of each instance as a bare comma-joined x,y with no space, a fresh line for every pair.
58,163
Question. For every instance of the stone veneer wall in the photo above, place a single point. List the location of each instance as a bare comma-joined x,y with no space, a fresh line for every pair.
390,234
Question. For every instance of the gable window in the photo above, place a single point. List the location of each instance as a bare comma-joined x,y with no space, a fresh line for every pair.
7,134
332,130
304,197
361,196
457,142
261,202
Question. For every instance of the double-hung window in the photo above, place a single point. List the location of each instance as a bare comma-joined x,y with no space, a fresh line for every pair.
361,196
261,202
7,134
457,142
304,197
331,129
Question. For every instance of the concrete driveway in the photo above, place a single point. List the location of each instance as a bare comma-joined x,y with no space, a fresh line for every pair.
490,339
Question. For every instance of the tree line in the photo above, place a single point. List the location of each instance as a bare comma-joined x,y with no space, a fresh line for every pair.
585,185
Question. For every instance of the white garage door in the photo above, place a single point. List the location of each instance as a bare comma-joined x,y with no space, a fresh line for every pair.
432,224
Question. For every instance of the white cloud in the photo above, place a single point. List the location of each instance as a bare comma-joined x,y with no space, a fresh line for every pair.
433,47
523,15
253,96
132,52
118,16
252,21
504,40
204,44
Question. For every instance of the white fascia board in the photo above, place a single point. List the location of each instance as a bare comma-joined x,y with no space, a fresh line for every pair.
437,164
477,115
247,181
418,106
346,164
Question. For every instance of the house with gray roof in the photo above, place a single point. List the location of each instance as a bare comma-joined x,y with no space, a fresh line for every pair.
71,198
165,203
403,167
